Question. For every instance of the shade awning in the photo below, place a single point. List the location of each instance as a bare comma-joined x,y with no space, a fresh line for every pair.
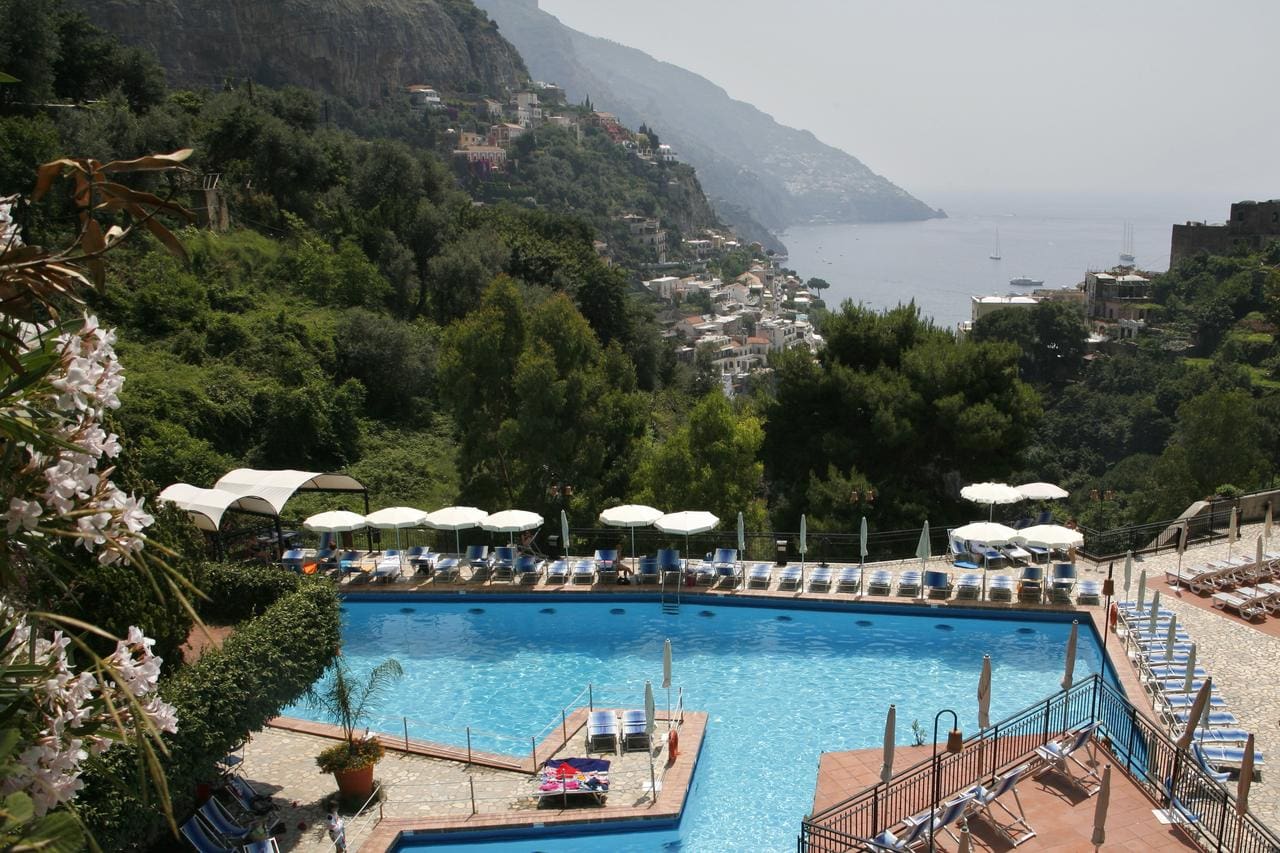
277,487
207,506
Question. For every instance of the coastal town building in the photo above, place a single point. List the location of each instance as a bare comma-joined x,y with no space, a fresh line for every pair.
423,98
1252,225
1115,297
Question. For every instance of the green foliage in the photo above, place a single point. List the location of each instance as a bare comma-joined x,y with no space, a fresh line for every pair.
236,592
267,663
1050,335
349,700
356,755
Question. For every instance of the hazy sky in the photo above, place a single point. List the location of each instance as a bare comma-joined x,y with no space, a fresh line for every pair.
1090,95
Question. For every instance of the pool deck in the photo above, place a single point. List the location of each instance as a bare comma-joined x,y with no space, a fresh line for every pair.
1057,810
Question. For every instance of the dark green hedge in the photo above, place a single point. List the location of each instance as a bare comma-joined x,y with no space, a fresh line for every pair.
237,592
266,664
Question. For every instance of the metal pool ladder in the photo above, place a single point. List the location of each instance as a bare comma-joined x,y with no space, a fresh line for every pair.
671,597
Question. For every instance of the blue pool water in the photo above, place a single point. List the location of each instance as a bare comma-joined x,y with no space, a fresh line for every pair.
780,685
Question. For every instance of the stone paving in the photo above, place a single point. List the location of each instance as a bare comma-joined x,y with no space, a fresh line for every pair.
1240,658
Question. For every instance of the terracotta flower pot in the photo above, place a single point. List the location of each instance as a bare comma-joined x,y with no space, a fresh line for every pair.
355,784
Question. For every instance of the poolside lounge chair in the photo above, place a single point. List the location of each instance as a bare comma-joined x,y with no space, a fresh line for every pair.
584,571
704,573
1059,754
820,578
635,734
326,560
201,837
647,570
909,584
558,572
606,560
294,559
1171,703
670,568
1031,585
1088,592
389,567
1221,755
223,823
528,569
1064,582
727,564
849,579
1224,719
760,576
447,568
947,813
1242,606
1202,761
576,777
1000,588
266,845
1017,830
1014,553
1222,735
937,585
504,563
248,798
602,730
880,582
960,556
969,586
984,553
349,562
791,577
478,559
421,559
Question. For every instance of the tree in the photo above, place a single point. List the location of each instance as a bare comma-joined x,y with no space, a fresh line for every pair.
818,284
1220,434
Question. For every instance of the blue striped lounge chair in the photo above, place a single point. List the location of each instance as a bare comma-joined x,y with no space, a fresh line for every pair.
727,565
389,566
266,845
880,582
969,586
705,573
938,585
1228,736
960,556
909,584
1060,754
1088,592
201,837
820,578
647,570
349,562
1000,588
421,559
558,572
528,569
1063,583
791,577
760,576
293,559
222,822
849,579
602,730
584,571
635,731
1031,585
447,568
1176,702
504,563
946,815
606,564
1198,753
1014,553
1016,830
249,799
478,559
670,567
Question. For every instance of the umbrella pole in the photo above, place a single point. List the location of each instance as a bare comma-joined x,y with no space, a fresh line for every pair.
634,565
457,541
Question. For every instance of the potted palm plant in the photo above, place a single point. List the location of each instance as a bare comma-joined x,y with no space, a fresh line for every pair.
348,700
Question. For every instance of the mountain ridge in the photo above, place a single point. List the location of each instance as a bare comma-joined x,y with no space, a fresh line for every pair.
780,175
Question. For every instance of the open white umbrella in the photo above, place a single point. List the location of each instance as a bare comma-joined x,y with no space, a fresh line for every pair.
1189,678
1128,572
687,522
862,542
336,521
1069,672
1198,707
1142,588
886,768
991,494
396,518
984,694
1246,777
456,518
630,516
511,521
666,674
1100,810
1042,491
985,531
1050,536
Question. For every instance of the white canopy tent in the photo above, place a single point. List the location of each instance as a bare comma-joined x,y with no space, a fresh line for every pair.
207,506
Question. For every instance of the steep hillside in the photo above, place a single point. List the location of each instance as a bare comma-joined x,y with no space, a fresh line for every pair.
778,175
360,49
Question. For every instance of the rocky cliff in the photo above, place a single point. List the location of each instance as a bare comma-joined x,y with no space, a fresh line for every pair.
359,49
746,161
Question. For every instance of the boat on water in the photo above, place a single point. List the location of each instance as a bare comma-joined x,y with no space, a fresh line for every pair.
995,253
1126,246
1026,282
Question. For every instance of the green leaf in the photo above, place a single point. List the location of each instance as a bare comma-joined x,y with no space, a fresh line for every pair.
7,78
57,832
16,809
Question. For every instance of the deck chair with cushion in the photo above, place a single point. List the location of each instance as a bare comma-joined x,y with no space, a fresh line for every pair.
960,556
389,566
635,731
606,560
791,577
820,579
849,579
1202,762
504,563
726,564
349,562
937,585
558,572
760,576
1060,754
704,573
478,559
969,586
448,568
528,569
647,570
1000,588
421,559
670,568
222,822
1031,585
602,731
909,584
1017,830
201,837
880,582
1064,582
1088,592
294,559
583,572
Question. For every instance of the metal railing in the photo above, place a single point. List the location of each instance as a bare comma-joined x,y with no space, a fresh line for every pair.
363,824
1140,748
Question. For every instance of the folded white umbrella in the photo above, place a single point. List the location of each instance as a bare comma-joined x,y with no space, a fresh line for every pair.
1198,707
1128,572
1050,536
886,768
1099,836
1068,675
922,548
1042,491
1142,587
456,518
336,521
1246,777
984,694
1189,677
396,518
986,531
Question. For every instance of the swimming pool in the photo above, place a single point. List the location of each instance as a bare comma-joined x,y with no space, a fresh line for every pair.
781,685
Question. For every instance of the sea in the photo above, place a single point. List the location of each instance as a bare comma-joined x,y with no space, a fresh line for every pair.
943,263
